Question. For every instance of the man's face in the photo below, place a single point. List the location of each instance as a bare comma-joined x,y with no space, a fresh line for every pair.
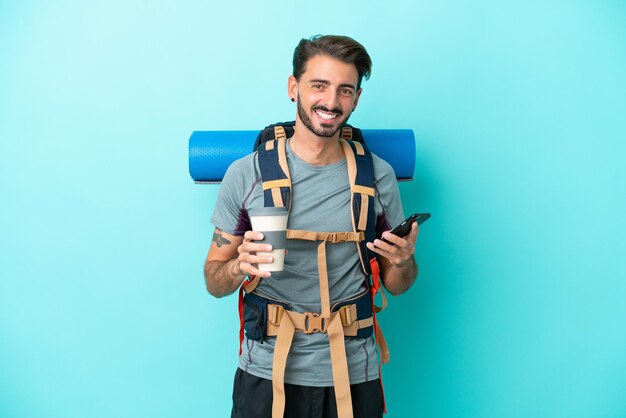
326,94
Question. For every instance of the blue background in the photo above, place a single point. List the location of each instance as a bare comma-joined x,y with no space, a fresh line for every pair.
518,110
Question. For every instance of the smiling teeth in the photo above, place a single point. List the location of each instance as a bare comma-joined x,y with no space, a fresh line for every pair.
326,116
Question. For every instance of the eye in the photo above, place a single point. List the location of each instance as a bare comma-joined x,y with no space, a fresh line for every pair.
317,86
345,92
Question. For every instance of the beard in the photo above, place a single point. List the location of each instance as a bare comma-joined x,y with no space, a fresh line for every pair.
324,130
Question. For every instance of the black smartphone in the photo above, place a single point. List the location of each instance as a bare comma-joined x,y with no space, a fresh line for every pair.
404,228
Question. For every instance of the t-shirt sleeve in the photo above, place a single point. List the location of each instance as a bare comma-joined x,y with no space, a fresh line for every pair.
389,213
229,210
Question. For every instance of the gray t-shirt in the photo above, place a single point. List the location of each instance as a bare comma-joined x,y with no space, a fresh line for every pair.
320,202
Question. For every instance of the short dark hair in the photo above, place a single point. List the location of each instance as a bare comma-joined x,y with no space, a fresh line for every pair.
343,48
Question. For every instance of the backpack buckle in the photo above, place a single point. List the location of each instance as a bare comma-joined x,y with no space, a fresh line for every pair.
342,236
347,314
338,237
275,314
313,323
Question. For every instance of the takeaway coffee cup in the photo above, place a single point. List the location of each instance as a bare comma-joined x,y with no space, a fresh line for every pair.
272,222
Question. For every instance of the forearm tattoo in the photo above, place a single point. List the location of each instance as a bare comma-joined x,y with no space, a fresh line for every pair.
218,239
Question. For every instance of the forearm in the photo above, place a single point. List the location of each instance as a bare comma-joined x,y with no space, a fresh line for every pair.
398,279
223,277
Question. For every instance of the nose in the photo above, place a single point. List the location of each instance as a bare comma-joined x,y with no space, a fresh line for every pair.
331,99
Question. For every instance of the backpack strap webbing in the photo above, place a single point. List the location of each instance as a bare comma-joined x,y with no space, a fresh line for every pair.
346,133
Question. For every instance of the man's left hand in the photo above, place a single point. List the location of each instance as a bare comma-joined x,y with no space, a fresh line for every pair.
400,251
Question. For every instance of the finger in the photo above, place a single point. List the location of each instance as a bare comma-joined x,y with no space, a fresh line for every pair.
391,246
395,259
253,236
377,247
393,238
252,247
385,246
412,237
252,270
256,258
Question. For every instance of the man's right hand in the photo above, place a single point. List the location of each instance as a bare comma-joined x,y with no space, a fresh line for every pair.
247,254
231,258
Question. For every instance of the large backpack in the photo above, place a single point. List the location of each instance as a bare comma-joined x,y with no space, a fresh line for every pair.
356,317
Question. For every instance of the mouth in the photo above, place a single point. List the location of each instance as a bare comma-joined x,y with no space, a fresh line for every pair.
326,115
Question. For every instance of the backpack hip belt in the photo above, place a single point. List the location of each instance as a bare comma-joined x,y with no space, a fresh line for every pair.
308,323
352,317
355,313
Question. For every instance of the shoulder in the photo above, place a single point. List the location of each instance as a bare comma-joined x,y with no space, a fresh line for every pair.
383,171
244,167
386,185
241,176
243,163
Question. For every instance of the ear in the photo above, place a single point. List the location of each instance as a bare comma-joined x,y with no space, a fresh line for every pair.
356,99
292,87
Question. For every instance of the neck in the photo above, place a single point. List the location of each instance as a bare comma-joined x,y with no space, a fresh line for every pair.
314,149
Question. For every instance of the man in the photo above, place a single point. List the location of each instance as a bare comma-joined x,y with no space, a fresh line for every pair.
326,85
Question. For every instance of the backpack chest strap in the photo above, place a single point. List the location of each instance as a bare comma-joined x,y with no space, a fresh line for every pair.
333,237
324,237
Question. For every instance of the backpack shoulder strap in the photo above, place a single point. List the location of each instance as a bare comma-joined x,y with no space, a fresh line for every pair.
271,148
276,184
363,193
